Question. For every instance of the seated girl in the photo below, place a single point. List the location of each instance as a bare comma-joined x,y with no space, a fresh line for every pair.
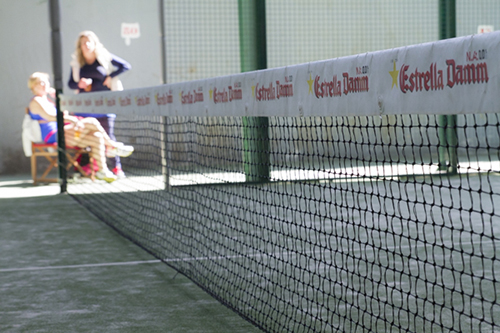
86,132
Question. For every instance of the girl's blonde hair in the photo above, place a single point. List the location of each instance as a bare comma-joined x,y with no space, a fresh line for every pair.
99,48
36,78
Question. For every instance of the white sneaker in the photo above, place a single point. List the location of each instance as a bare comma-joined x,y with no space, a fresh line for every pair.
122,151
119,173
106,175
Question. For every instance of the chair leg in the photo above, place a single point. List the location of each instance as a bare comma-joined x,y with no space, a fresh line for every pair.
33,167
53,163
38,152
72,160
72,155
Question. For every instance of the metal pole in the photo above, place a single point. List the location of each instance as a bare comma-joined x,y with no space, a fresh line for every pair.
163,42
253,56
452,139
55,19
163,119
447,130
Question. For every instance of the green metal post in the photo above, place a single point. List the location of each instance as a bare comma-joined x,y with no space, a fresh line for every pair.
442,150
61,145
452,139
55,25
447,131
163,119
253,56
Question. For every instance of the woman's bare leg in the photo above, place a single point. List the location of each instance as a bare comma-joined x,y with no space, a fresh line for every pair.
94,140
93,125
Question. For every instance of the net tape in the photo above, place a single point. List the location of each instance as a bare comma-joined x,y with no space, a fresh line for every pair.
453,76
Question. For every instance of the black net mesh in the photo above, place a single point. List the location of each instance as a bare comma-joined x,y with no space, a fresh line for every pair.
355,229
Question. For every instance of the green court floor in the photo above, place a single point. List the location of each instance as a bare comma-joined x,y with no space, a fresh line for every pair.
62,270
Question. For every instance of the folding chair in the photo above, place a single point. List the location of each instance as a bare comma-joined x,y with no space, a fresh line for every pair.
49,152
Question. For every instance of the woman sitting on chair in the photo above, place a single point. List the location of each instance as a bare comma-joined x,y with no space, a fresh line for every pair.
82,133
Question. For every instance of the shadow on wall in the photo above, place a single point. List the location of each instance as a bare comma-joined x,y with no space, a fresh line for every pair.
15,162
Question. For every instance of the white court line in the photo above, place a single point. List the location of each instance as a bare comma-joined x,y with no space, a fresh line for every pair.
129,263
126,263
204,258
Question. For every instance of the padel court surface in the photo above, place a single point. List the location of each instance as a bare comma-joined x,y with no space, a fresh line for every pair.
63,270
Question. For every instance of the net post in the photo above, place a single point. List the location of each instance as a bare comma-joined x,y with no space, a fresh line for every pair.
253,56
442,150
55,20
61,145
447,130
256,148
452,140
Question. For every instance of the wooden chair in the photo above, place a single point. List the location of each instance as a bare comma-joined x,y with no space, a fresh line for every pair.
49,152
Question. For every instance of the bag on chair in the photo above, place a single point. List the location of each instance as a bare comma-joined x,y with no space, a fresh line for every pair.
31,133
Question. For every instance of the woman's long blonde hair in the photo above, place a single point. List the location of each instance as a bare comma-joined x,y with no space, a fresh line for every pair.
99,48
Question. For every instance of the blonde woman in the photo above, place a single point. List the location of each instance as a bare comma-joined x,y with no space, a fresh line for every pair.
86,132
93,68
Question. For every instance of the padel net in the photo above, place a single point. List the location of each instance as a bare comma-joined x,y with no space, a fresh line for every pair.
351,194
